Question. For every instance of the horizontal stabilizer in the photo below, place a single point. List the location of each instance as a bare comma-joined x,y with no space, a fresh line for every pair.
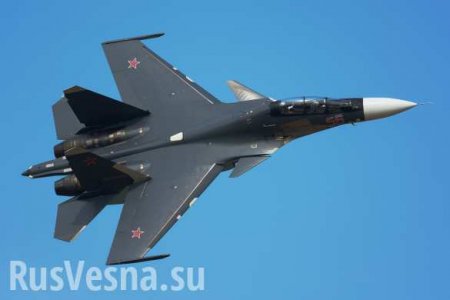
66,122
98,174
75,214
244,164
242,92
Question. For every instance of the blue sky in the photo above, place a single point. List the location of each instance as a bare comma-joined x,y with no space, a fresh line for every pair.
357,212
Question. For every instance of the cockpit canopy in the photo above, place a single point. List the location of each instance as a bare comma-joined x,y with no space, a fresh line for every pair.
314,105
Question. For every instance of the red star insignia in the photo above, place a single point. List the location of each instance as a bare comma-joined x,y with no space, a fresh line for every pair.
133,64
137,233
90,161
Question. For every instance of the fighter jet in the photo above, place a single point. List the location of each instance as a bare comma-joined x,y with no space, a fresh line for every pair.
159,148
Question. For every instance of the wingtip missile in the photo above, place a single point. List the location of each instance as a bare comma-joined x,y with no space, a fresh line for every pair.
133,261
136,38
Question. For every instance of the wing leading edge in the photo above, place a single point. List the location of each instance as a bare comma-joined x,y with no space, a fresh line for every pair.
147,81
179,176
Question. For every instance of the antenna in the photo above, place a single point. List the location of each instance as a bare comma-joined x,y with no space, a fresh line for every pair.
425,103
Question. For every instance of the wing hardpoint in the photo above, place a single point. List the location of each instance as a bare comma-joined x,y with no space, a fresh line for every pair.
146,81
179,176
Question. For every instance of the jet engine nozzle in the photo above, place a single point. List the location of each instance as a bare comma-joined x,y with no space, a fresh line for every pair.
68,186
377,108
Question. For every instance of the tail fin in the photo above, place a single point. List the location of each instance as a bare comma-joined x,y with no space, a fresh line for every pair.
75,214
98,174
83,109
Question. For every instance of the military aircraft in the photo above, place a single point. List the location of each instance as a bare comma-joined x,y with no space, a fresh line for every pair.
160,148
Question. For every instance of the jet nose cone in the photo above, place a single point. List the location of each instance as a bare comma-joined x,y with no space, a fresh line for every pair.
376,108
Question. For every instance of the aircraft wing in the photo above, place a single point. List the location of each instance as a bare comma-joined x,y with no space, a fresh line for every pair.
179,175
147,81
